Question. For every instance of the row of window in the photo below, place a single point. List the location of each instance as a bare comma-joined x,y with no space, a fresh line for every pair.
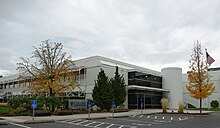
142,79
7,86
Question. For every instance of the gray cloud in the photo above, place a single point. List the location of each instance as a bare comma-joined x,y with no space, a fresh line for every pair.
153,34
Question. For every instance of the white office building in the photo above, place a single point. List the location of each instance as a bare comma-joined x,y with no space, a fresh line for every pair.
142,84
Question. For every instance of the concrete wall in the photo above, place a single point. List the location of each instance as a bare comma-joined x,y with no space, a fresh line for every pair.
215,78
172,80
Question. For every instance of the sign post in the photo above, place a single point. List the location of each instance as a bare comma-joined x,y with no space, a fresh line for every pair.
34,106
89,106
142,106
113,108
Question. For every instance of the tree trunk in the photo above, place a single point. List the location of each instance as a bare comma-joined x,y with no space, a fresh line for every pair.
200,105
53,107
51,92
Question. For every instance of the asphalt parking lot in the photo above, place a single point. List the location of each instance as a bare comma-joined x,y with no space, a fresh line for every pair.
134,121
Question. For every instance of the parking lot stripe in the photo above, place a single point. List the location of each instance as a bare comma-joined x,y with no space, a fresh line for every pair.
121,126
19,125
141,124
99,125
134,115
110,126
139,121
148,116
180,119
141,116
90,123
163,118
82,122
75,121
155,117
171,118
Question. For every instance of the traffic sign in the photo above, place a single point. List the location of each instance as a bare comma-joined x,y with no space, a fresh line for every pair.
113,105
89,104
34,104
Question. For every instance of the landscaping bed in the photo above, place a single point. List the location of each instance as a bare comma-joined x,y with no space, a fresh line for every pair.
63,112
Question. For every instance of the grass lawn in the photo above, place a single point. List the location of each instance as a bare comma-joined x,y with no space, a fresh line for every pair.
206,109
4,110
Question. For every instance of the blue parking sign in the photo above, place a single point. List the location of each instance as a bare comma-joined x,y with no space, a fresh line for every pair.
89,104
34,104
113,105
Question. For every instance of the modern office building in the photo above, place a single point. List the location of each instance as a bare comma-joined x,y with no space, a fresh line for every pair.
142,84
215,78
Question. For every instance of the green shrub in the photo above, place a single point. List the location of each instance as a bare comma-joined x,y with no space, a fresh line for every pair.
20,102
164,103
20,110
64,103
94,111
104,110
121,106
214,104
76,111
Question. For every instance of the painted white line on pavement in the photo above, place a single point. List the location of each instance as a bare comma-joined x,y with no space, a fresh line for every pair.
134,115
75,121
99,125
141,116
141,124
155,117
110,126
163,118
180,119
19,125
171,118
90,123
148,116
121,126
82,122
138,121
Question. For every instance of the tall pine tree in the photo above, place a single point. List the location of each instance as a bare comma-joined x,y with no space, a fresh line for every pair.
102,92
118,88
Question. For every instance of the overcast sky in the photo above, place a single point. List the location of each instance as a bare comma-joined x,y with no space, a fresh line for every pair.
149,33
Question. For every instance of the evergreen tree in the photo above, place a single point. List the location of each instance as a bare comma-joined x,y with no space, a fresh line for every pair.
118,88
102,92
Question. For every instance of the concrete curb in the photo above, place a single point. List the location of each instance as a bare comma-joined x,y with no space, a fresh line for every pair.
38,121
3,122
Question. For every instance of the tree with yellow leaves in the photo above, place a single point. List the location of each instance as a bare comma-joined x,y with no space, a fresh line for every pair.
51,72
199,86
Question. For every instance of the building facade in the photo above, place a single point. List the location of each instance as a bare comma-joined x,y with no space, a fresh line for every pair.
143,85
215,78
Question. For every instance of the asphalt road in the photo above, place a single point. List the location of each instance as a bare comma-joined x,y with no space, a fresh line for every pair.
135,121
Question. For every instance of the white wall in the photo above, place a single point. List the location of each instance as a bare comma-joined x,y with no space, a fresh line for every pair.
215,78
172,80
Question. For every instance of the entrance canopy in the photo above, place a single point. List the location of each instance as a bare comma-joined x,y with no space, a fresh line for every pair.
136,87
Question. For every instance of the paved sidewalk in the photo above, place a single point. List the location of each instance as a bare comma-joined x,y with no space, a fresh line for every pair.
23,119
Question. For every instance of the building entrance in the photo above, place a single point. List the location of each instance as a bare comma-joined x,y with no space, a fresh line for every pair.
150,99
